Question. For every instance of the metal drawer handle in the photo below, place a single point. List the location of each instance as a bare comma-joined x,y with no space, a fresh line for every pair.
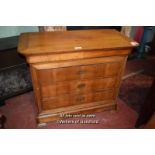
82,72
80,99
82,85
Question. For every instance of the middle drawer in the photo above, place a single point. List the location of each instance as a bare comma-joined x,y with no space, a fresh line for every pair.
77,87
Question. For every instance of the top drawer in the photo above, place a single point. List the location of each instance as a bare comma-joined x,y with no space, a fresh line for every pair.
78,72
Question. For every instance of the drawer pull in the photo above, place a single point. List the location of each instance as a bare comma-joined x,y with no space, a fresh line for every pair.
80,99
82,72
82,85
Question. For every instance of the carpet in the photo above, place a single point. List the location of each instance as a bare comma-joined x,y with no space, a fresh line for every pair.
20,113
134,90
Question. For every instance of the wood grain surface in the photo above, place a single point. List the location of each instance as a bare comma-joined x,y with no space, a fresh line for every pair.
75,71
69,41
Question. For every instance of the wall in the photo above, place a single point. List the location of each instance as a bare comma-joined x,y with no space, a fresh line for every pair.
8,31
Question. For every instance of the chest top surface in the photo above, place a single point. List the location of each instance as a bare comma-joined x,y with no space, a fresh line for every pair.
69,41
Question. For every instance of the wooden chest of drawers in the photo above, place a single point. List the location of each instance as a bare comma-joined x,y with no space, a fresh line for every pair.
75,71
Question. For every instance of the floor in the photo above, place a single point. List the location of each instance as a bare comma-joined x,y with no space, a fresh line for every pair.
20,110
134,90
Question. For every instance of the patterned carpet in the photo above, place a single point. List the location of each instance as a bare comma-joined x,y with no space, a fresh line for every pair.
134,90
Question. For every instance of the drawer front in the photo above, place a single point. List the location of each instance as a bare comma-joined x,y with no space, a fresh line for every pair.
70,100
77,87
48,76
99,70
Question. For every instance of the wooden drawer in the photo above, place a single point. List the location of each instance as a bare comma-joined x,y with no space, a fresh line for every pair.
48,76
77,87
70,100
99,70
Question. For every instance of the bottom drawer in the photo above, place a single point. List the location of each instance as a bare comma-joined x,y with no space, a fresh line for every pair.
69,100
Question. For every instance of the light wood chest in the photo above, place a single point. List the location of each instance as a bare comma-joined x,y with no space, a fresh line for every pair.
75,71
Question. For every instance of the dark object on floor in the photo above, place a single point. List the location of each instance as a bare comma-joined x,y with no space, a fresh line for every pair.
152,44
14,73
2,121
148,107
14,81
10,58
134,90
